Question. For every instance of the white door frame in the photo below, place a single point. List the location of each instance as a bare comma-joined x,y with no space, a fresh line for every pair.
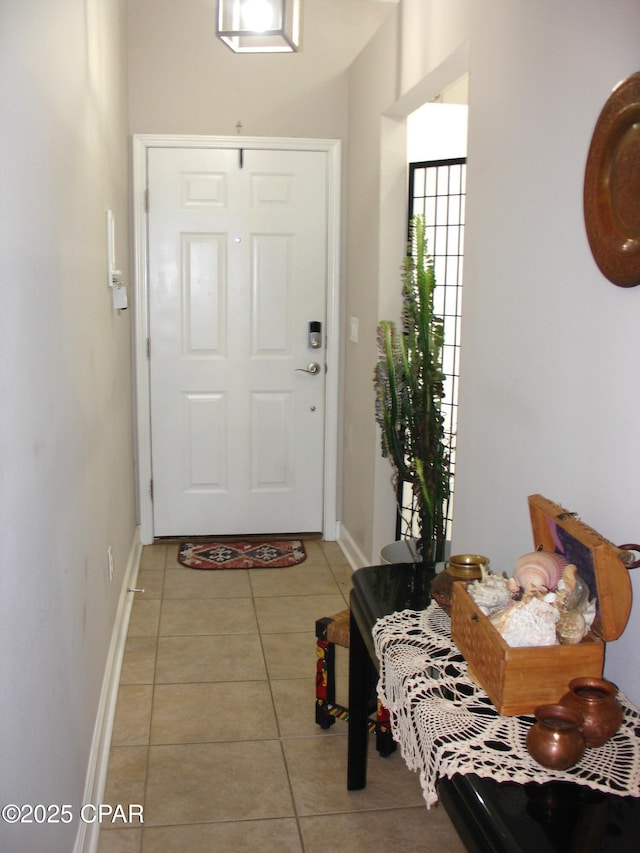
141,144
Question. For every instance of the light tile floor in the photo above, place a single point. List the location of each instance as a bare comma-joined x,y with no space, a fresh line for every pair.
215,734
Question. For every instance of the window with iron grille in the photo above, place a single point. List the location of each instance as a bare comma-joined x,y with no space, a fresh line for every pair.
437,190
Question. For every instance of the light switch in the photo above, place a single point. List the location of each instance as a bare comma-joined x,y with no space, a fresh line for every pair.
354,329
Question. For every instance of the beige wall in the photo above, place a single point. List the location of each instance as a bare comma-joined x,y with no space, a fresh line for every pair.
376,182
549,350
66,475
394,75
184,80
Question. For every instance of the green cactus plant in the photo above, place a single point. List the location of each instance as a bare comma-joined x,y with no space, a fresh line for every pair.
409,384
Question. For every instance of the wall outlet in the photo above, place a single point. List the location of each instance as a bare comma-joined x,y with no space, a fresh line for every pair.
110,563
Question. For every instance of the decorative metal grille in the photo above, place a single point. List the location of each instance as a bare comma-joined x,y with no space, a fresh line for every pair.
437,189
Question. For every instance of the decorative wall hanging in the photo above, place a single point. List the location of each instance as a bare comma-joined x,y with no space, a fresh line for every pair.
612,186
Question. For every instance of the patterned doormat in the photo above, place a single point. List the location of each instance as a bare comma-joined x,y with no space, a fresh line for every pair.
242,554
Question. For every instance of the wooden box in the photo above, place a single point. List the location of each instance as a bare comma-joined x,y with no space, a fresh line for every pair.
517,680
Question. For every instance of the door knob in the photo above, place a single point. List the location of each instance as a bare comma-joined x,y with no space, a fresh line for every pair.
313,367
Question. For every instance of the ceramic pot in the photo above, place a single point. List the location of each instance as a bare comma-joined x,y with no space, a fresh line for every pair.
595,699
555,740
462,567
400,551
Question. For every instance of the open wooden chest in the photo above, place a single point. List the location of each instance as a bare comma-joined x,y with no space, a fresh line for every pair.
517,680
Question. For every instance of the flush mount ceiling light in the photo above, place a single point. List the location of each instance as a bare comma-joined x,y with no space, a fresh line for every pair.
260,26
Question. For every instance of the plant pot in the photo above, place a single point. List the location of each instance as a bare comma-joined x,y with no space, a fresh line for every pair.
401,551
406,551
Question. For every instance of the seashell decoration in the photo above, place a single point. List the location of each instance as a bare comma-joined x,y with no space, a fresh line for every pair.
528,623
539,569
491,593
571,627
573,593
544,603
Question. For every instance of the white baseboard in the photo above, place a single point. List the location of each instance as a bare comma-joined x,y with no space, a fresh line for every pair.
87,837
352,552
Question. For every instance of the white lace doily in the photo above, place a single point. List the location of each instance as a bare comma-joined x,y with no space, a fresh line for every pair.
446,724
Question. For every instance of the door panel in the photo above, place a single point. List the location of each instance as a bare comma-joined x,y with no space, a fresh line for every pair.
237,270
272,441
204,441
203,294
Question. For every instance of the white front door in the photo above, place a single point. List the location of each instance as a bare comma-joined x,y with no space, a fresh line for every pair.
237,272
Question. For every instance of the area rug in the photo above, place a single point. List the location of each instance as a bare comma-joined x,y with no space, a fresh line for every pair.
242,554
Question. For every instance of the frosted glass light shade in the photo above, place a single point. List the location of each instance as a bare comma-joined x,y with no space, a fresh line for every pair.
260,26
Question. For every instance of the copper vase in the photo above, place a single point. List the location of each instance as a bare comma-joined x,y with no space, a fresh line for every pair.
595,699
555,740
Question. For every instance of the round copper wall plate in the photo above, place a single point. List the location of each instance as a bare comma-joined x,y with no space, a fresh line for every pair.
612,186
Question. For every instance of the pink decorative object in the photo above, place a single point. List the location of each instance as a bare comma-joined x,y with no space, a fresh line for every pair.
540,568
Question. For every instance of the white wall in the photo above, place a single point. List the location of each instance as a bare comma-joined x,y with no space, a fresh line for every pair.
66,475
549,350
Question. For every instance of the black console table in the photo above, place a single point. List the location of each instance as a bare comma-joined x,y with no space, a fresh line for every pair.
490,817
377,591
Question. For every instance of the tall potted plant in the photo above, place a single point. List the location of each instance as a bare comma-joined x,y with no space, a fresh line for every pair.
409,383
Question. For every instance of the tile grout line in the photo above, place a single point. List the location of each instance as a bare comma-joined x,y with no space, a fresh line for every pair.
153,694
278,725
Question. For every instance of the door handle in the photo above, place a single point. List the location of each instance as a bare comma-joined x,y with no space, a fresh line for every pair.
313,367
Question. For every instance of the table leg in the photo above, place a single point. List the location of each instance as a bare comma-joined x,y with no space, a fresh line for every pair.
359,689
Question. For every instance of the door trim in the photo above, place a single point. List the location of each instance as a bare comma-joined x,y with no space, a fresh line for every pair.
141,143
